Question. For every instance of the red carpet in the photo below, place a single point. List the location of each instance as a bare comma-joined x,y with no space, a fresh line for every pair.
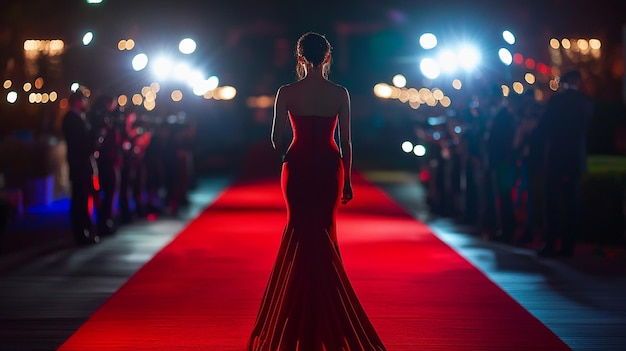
202,291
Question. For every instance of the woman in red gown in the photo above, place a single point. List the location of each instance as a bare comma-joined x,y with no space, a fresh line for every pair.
309,303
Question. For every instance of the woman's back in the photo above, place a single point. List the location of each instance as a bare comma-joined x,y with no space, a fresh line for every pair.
309,303
318,97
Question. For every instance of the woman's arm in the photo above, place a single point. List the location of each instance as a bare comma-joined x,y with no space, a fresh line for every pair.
345,141
280,120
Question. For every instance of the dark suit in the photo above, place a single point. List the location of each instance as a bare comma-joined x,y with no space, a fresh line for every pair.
107,144
565,126
502,168
79,157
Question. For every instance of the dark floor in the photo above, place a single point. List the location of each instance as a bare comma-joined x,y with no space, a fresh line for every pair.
48,288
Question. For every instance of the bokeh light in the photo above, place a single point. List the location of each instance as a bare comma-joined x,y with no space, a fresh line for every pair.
149,105
137,99
594,44
27,86
518,87
122,100
227,92
505,56
140,61
457,84
177,95
382,90
39,83
399,80
155,87
437,94
554,43
505,90
129,45
508,37
554,84
7,84
415,104
566,44
445,101
430,68
87,38
12,97
428,41
187,46
530,78
407,146
419,150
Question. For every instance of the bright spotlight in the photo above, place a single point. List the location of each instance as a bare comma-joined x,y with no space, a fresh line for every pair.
505,56
140,61
407,146
428,41
419,150
74,87
508,37
430,68
469,57
202,87
213,82
162,67
182,71
399,81
448,61
194,78
12,97
187,46
87,38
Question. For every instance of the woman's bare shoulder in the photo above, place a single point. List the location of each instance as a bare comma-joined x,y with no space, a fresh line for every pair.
339,89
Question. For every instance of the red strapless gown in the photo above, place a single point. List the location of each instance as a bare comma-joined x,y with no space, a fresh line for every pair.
309,303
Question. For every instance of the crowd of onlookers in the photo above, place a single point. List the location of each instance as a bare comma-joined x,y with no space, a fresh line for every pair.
129,164
514,172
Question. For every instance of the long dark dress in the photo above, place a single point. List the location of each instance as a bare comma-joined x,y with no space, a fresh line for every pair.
309,303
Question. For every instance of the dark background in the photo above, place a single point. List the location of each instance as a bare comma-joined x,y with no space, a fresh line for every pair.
250,45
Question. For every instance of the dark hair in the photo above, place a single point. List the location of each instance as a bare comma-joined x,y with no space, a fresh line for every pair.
314,48
75,97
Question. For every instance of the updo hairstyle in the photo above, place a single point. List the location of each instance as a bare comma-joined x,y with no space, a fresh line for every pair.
314,48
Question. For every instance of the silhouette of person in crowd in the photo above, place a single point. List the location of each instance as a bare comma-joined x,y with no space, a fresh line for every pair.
107,144
502,164
77,135
529,157
565,124
135,141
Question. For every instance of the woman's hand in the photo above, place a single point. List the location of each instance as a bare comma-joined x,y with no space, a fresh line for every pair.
347,193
